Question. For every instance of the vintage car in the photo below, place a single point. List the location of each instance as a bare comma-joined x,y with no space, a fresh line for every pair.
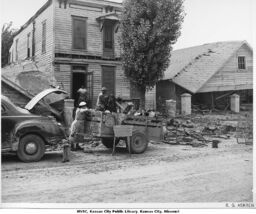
28,130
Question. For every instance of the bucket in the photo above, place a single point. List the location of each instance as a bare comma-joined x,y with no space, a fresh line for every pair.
215,143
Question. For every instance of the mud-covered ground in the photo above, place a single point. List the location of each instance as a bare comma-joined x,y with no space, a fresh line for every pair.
164,173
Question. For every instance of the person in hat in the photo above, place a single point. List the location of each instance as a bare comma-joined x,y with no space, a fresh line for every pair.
77,126
102,98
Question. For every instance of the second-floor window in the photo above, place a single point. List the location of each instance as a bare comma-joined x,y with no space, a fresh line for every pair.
44,37
108,35
79,32
241,62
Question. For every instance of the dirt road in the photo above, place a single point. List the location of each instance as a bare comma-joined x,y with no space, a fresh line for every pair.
164,173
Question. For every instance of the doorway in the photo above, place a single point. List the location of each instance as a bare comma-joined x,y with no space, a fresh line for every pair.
78,80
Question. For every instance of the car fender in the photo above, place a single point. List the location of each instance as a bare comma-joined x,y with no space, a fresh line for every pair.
44,128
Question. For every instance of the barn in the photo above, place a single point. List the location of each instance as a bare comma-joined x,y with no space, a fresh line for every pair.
209,72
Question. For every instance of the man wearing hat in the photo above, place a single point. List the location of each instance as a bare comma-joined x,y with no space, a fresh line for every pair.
101,101
77,126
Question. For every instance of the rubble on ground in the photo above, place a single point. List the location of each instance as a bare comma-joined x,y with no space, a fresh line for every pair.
199,130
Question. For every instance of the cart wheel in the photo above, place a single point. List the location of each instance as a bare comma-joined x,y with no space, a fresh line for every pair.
139,142
108,142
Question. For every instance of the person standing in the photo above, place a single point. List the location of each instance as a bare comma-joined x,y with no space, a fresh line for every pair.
77,126
82,92
102,98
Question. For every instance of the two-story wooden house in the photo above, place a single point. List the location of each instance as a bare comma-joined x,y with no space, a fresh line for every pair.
76,43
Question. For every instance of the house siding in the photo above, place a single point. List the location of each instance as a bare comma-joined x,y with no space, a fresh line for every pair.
63,29
14,95
230,77
44,60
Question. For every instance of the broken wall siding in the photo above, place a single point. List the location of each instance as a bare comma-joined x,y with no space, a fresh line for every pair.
63,28
14,95
230,77
43,60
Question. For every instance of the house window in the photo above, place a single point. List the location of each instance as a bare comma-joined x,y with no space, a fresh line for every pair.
241,62
79,33
28,46
16,50
44,37
108,35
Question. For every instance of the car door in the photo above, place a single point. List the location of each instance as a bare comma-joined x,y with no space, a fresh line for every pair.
8,124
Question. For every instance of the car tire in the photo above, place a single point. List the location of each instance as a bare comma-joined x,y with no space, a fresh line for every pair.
31,148
139,142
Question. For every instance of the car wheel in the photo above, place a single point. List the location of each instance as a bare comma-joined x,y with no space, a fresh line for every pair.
31,148
139,142
108,142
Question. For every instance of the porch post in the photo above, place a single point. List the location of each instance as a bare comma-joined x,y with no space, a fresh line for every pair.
235,103
186,104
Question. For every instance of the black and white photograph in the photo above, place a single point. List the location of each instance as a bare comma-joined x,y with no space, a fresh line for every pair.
139,106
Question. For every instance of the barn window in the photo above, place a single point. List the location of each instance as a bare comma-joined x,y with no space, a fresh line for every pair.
44,37
241,62
16,49
28,45
79,32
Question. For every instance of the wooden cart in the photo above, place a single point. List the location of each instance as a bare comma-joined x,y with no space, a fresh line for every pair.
144,129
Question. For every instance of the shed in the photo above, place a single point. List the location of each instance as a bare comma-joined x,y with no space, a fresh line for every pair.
210,73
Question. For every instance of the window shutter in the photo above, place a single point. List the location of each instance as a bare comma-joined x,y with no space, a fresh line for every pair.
108,79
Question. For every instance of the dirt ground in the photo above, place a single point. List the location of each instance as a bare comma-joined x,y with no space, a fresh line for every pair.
164,173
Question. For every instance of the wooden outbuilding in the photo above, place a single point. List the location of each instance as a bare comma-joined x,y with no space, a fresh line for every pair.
210,73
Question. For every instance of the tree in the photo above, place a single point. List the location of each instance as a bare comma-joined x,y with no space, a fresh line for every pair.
7,38
148,30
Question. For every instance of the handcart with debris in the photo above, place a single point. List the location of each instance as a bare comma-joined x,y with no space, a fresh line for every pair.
144,129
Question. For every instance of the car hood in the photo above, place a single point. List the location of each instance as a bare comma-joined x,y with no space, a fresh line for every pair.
41,95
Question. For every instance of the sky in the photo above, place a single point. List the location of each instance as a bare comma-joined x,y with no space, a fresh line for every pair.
205,21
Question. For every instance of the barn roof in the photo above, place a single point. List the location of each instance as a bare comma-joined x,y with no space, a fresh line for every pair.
192,67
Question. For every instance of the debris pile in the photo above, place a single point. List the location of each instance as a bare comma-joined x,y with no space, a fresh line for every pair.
183,133
198,131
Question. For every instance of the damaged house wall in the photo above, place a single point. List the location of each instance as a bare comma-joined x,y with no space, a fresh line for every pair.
29,37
